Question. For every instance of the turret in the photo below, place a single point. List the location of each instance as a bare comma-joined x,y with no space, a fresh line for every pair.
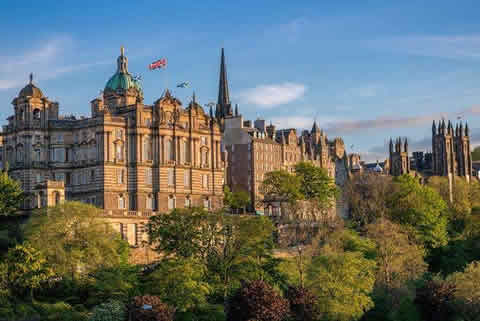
434,128
405,146
466,129
391,146
460,130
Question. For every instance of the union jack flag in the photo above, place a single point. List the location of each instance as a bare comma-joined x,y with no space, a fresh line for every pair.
161,63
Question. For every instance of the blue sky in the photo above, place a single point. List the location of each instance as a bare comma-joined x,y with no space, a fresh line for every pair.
366,70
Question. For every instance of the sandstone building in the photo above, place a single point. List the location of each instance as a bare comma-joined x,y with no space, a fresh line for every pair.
129,158
451,150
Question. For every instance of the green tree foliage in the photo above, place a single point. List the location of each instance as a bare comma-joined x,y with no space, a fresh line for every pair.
420,209
75,239
467,291
399,260
179,283
282,186
476,153
237,200
315,184
109,311
183,232
118,283
258,301
27,269
150,308
11,195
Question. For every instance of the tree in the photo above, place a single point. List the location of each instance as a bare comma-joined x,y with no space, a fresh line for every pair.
183,232
75,239
257,301
316,185
367,196
118,283
342,282
281,186
420,209
27,269
150,308
467,294
239,199
398,258
476,153
179,283
435,299
11,198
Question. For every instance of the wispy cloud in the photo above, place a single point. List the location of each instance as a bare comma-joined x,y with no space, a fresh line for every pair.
453,47
268,96
348,126
47,61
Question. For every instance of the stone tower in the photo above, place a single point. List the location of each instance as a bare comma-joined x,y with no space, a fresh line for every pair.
398,157
451,150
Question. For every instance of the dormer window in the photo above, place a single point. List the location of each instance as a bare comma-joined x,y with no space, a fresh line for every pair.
36,114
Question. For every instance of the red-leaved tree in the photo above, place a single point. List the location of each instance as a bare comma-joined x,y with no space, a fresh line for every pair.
150,308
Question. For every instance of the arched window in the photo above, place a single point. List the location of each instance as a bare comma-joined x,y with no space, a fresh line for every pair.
206,203
186,152
147,149
121,201
36,114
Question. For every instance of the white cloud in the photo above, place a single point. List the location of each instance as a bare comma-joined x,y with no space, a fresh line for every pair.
298,122
268,96
46,62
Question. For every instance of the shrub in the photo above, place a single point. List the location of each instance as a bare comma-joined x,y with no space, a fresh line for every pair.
109,311
257,301
302,304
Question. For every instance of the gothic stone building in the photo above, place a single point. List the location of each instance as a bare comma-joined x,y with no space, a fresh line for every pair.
398,160
256,149
131,159
451,150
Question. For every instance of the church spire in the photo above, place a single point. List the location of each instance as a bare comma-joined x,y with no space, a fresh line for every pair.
223,92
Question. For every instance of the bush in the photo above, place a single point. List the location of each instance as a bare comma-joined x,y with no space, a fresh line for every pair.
109,311
257,301
59,311
157,311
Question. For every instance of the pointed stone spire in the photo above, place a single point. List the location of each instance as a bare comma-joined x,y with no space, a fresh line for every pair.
405,145
31,78
460,130
434,128
315,127
236,110
466,129
223,92
193,98
456,130
390,147
211,111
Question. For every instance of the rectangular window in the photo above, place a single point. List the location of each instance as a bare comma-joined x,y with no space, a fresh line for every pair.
118,133
132,234
59,177
205,181
148,176
171,177
149,204
120,176
203,140
121,202
186,178
59,155
188,202
38,178
37,155
171,203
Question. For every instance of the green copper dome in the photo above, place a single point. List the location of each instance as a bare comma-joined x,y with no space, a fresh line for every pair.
122,78
123,81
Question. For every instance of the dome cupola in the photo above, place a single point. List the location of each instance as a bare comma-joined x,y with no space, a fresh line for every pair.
122,79
31,90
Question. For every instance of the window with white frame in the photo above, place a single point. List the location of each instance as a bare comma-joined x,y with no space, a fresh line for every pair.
203,140
119,151
171,177
186,178
206,204
149,204
148,176
120,176
171,202
188,201
121,201
205,181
